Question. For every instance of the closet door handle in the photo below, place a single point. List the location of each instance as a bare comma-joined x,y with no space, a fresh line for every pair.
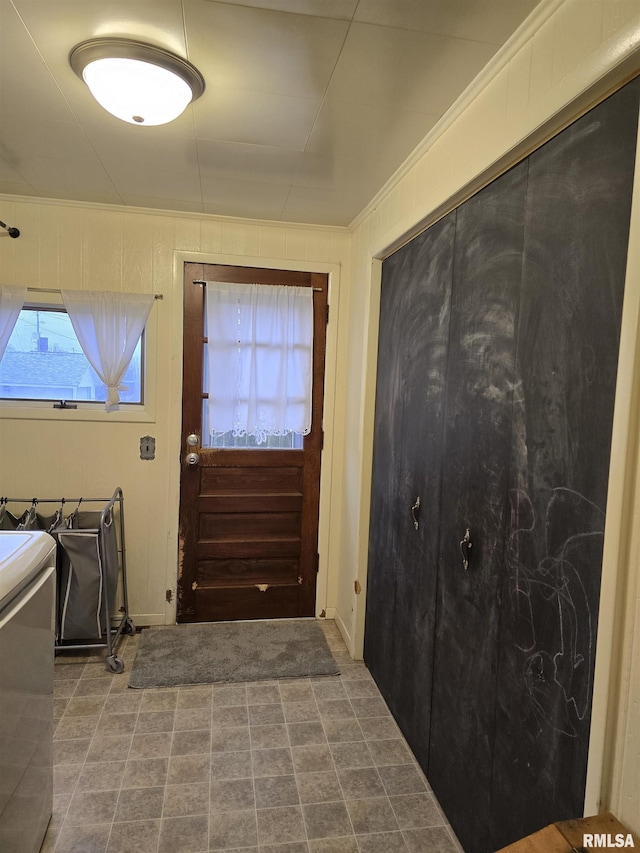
414,510
465,548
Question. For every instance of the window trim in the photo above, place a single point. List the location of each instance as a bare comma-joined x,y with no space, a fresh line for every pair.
145,412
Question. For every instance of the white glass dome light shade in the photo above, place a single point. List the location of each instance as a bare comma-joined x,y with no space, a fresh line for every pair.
136,91
136,82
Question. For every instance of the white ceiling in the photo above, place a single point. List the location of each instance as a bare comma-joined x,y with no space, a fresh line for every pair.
309,107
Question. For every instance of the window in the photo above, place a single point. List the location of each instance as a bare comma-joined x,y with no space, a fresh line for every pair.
44,361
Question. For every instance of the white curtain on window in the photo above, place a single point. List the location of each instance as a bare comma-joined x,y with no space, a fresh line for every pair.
260,354
108,326
11,302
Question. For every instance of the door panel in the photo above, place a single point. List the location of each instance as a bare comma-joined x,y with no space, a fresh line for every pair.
416,291
248,517
250,570
216,603
380,629
576,236
475,482
427,293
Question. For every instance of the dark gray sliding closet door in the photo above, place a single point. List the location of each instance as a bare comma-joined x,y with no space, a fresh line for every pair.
384,531
499,340
576,235
412,364
475,482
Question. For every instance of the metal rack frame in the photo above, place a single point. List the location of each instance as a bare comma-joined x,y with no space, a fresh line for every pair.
112,636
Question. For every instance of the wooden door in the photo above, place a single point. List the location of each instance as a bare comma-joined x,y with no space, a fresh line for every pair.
576,236
403,553
475,483
248,517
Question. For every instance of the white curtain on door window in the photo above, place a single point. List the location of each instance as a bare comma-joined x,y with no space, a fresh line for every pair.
11,302
108,326
260,354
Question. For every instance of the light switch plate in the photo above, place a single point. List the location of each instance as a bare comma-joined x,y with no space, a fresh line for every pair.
147,447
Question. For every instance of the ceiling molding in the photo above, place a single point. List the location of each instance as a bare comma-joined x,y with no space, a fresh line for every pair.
525,32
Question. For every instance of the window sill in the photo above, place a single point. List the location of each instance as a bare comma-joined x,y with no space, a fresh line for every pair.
44,411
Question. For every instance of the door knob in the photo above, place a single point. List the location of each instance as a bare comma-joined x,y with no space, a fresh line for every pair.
193,439
414,510
192,458
465,548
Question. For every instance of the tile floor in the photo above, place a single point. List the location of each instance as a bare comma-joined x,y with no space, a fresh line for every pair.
292,766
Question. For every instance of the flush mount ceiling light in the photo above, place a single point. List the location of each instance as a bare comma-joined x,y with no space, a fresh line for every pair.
136,82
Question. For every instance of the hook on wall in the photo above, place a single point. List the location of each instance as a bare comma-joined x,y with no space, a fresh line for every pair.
12,232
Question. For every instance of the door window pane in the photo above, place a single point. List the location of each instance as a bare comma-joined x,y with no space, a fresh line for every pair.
227,440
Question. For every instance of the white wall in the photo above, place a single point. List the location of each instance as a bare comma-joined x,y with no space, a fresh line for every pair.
51,453
568,55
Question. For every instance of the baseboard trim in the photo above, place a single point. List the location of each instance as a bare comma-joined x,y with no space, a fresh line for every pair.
346,636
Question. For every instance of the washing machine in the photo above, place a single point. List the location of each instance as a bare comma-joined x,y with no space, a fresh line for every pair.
27,639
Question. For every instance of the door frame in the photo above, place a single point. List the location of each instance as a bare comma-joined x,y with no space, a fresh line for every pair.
202,594
331,469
